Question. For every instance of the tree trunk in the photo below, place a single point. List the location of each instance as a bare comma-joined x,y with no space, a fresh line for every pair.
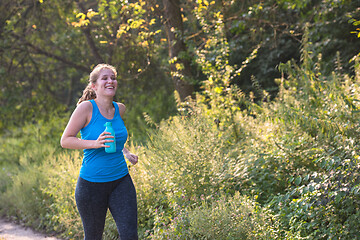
174,31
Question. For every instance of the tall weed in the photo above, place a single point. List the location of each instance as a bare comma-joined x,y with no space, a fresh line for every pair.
62,172
24,200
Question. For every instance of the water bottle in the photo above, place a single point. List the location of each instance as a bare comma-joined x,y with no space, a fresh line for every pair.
112,145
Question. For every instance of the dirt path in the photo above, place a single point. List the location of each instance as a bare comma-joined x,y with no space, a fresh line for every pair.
11,231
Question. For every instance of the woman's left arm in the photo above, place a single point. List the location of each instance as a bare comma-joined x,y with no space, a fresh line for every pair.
130,156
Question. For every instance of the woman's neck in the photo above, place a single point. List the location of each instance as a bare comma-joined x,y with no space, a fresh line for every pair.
105,104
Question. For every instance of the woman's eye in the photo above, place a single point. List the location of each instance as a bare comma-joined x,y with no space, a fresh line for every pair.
106,78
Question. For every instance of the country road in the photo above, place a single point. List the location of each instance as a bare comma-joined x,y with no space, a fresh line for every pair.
11,231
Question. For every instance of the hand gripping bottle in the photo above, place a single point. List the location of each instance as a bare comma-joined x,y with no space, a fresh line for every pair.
112,145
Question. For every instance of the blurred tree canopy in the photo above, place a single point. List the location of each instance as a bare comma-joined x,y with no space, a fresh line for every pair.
48,47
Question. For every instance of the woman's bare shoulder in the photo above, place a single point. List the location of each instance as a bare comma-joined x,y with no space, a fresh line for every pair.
122,109
83,112
84,106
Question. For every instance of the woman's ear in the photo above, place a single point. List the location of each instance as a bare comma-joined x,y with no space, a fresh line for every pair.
93,86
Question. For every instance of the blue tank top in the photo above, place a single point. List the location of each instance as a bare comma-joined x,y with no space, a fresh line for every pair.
98,165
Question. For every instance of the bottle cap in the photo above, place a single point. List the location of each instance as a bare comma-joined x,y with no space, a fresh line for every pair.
108,124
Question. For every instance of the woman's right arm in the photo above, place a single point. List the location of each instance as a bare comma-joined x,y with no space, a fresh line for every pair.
77,121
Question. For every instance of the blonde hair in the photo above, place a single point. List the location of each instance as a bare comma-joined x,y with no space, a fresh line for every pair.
88,92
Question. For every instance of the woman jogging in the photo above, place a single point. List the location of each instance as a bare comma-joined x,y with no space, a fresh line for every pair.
104,181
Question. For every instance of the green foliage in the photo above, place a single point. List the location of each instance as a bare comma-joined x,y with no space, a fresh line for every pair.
279,26
191,156
156,105
48,48
31,143
220,100
227,218
320,199
24,200
23,153
62,172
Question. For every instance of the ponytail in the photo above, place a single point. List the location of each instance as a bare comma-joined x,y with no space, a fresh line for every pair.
88,92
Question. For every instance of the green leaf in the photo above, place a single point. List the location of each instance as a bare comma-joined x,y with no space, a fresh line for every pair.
338,198
291,179
298,180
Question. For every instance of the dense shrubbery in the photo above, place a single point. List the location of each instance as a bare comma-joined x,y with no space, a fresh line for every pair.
322,196
226,218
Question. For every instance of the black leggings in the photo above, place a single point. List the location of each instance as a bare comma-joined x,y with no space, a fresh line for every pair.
94,199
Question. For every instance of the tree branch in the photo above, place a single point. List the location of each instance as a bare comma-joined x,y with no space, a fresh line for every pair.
92,45
89,39
48,54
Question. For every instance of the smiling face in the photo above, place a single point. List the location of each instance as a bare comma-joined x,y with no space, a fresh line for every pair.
106,83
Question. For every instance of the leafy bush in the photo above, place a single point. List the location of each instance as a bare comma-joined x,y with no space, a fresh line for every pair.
321,198
190,156
235,217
